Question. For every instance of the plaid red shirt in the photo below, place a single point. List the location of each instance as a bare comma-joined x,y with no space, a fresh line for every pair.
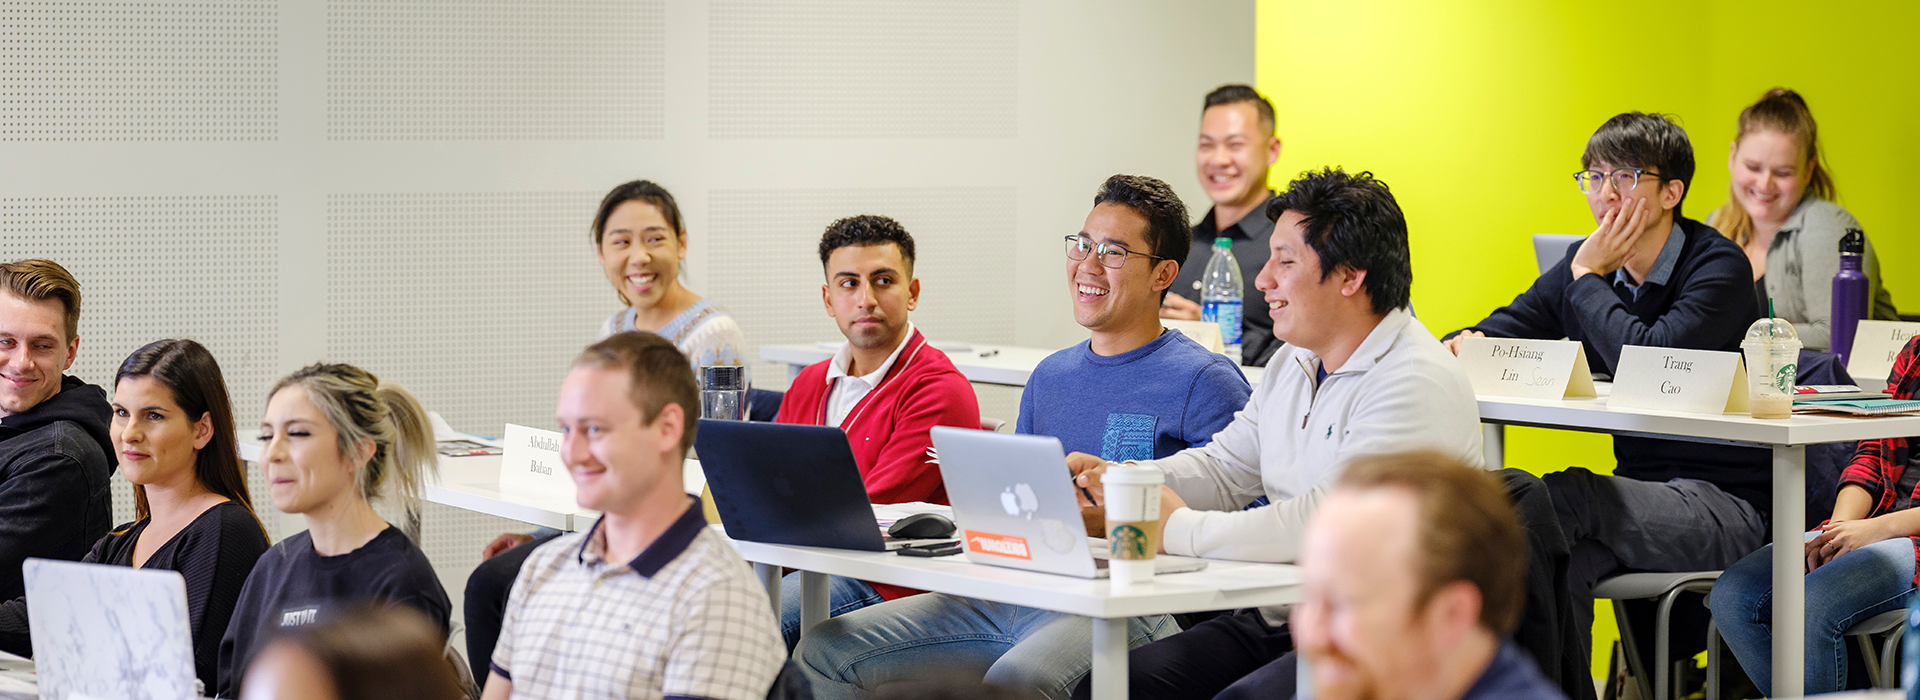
1878,464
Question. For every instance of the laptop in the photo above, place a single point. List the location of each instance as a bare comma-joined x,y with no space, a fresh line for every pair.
104,631
1014,502
787,484
1549,248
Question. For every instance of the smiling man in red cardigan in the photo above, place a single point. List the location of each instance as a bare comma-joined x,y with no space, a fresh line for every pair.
886,387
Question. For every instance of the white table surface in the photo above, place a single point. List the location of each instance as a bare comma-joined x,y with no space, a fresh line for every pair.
1008,365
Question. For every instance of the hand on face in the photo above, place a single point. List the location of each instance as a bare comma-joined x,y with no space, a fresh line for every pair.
1611,244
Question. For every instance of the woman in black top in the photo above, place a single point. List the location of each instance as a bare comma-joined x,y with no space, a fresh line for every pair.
173,434
337,439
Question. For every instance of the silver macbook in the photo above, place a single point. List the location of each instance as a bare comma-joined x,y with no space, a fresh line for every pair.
1014,503
109,631
1549,248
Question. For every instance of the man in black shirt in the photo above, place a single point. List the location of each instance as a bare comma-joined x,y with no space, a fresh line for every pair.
1237,147
55,448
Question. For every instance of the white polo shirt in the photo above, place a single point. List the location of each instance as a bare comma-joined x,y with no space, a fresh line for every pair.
685,618
844,390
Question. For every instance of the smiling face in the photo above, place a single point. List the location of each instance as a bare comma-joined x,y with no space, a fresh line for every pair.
1769,174
641,253
618,460
157,441
1234,154
1107,299
1361,624
869,290
301,458
1302,304
34,350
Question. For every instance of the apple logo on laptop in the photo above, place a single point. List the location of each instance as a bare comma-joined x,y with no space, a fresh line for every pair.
1019,500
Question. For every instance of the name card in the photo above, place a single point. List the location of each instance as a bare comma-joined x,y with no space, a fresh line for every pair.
1875,343
1526,369
530,460
1691,381
1202,332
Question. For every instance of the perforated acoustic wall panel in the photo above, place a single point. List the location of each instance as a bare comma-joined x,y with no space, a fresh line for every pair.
148,71
474,301
862,68
495,69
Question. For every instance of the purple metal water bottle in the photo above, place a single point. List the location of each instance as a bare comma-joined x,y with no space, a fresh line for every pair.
1849,293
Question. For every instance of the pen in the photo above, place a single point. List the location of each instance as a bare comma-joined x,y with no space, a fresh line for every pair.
990,353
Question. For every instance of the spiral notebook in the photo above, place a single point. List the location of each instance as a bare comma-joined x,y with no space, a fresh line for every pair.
1860,407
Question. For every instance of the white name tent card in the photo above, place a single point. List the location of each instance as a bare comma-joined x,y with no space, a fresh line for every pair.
1690,381
530,460
1526,369
1202,332
1875,344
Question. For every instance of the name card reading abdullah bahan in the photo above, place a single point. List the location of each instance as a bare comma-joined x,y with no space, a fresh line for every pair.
1690,381
1526,369
530,460
1875,344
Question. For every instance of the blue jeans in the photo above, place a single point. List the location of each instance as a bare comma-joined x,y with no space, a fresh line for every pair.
844,595
1858,585
934,635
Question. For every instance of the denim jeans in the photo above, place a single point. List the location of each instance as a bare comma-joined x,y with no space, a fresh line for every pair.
844,595
933,635
1858,585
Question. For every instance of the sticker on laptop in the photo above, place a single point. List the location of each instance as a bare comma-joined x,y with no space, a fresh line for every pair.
998,545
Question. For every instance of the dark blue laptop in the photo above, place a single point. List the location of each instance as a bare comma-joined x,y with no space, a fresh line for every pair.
787,484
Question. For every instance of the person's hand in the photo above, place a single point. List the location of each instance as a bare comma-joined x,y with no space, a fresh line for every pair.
1838,538
1179,308
1453,343
1086,470
503,543
1607,249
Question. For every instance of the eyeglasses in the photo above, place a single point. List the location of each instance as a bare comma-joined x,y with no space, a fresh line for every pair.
1623,179
1111,255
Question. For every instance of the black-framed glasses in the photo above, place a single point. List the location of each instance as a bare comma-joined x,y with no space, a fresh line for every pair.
1623,179
1111,255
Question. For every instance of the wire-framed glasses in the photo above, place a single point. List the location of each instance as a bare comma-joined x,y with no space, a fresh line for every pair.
1111,255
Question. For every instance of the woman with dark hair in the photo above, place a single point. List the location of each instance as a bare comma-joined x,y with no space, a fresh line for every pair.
366,653
173,434
640,240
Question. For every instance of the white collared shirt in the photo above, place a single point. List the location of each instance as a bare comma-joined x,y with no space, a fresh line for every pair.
849,390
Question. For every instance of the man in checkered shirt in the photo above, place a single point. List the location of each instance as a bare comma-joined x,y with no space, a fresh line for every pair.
648,603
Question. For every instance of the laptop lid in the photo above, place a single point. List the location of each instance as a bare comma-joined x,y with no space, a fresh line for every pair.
1013,501
109,631
786,484
1549,248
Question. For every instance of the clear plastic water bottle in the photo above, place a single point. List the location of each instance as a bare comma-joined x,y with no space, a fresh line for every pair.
1221,296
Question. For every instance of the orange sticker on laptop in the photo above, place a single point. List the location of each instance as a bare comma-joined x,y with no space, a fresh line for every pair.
997,545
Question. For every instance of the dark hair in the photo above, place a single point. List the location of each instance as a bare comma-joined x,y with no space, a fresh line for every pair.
1353,220
200,390
865,230
1234,94
1168,234
380,652
1641,140
638,191
39,279
1466,529
1784,111
660,375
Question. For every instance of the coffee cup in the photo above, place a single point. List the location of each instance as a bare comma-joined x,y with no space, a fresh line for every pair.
1772,351
1133,521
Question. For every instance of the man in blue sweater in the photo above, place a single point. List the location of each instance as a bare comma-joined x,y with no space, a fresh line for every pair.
1647,276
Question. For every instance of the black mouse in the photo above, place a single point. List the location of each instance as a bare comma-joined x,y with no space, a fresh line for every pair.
921,526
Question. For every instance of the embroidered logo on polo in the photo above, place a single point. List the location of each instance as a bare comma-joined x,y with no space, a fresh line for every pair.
1129,436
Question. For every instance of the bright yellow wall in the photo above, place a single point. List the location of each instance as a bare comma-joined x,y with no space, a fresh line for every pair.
1475,112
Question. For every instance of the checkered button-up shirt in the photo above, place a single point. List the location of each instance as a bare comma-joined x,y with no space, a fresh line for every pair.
685,618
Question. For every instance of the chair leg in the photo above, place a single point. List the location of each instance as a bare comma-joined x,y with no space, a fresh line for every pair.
1869,656
1636,663
1889,667
1713,661
1662,627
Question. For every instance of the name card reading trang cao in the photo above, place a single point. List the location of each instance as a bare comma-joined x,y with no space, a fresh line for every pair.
1526,369
530,460
1875,344
1668,379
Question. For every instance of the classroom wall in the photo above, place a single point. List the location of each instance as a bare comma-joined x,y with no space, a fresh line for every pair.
1476,111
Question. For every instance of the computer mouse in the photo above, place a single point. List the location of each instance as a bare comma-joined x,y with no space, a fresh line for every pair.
921,526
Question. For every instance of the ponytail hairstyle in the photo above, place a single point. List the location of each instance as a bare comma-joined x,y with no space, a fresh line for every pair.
361,407
1784,111
200,390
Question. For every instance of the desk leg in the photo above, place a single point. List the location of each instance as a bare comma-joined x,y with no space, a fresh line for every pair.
813,600
770,577
1109,676
1493,444
1789,567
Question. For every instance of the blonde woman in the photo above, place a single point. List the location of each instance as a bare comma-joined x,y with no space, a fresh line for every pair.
337,439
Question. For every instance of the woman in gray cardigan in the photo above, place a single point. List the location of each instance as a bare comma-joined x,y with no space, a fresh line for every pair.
1781,212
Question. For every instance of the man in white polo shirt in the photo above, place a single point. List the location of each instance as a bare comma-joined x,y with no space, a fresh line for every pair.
648,603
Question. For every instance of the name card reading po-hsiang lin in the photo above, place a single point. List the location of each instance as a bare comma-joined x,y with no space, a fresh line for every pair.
1690,381
1526,369
1875,344
530,459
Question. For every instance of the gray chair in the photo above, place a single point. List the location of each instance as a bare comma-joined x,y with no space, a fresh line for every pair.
1882,668
993,425
1655,683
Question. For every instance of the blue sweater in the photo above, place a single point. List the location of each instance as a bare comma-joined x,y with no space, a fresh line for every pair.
1146,403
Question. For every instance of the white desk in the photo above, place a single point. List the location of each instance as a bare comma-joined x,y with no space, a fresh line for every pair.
1786,438
1007,365
1223,585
